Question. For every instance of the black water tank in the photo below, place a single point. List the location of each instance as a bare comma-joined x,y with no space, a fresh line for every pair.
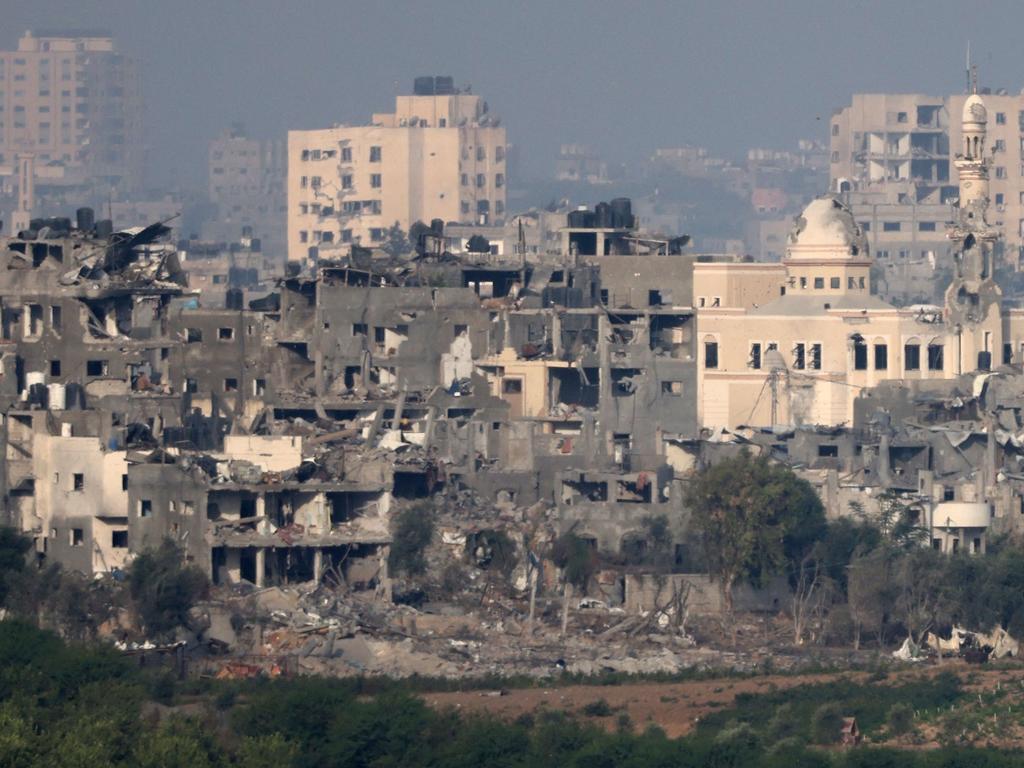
233,299
437,226
423,86
603,216
444,85
39,395
104,228
292,268
622,210
85,218
577,219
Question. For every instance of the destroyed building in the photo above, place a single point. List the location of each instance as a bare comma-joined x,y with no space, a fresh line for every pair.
275,438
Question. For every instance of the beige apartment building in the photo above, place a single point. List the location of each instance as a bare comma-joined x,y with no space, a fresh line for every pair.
794,343
439,155
72,101
903,147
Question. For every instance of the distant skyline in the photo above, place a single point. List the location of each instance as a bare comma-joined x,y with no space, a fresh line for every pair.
624,78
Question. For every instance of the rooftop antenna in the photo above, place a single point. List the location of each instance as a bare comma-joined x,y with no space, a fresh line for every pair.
967,67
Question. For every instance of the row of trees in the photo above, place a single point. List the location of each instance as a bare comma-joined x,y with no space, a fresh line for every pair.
863,576
158,588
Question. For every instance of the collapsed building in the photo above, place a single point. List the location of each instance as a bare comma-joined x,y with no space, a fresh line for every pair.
272,440
275,437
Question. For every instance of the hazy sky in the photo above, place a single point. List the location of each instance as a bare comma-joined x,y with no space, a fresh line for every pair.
624,77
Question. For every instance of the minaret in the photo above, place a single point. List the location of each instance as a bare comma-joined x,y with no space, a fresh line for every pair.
970,161
973,298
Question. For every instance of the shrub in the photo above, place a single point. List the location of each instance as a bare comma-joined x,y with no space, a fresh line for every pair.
413,529
826,724
599,708
901,718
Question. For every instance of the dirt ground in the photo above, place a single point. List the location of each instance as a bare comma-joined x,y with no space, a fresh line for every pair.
677,707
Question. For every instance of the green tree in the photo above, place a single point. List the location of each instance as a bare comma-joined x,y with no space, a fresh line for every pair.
14,547
826,724
163,589
177,743
923,596
412,531
395,242
755,517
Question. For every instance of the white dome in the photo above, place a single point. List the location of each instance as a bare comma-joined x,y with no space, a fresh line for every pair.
826,228
975,112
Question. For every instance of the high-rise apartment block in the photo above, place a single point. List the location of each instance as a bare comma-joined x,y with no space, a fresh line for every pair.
902,148
246,184
72,101
439,155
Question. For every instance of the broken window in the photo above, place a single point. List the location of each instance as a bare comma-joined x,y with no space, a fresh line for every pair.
35,320
672,388
1007,354
55,367
231,385
193,335
881,357
96,368
512,386
815,357
119,539
359,329
799,356
78,481
124,482
76,537
912,357
188,508
259,387
828,451
711,354
145,507
191,386
591,491
935,355
225,334
754,361
56,319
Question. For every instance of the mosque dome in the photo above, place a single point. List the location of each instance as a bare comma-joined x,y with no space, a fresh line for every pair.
826,229
975,113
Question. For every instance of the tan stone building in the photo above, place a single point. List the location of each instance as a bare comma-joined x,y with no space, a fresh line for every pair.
439,155
73,102
795,343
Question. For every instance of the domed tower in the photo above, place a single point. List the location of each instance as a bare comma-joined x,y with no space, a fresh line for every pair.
973,298
827,252
970,161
